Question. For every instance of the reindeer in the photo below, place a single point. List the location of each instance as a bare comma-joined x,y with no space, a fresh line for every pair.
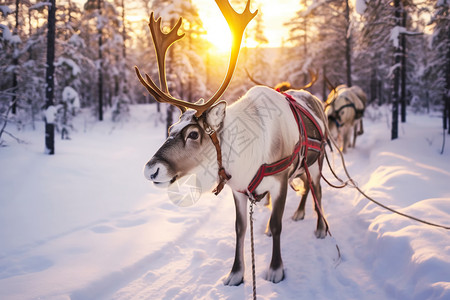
261,143
345,108
283,87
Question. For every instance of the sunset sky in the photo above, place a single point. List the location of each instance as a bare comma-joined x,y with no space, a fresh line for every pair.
275,13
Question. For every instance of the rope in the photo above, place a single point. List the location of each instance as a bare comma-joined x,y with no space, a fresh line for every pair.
352,183
253,249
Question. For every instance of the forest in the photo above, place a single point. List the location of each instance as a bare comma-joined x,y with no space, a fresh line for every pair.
397,51
88,223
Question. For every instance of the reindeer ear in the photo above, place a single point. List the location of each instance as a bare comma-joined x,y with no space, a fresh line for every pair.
216,114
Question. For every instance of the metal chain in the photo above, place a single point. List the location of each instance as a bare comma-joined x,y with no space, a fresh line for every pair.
252,202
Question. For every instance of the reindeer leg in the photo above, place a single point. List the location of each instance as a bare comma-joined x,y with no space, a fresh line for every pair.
355,134
315,178
361,127
346,137
300,212
276,270
236,276
268,204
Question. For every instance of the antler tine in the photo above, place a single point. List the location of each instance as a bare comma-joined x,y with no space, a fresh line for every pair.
253,79
159,95
237,22
333,91
313,76
161,41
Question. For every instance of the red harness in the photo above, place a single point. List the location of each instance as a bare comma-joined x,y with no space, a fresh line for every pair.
303,146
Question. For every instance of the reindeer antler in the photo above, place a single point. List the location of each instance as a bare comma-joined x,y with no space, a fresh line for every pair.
237,24
312,74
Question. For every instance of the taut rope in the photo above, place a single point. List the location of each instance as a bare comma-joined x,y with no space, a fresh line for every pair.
352,183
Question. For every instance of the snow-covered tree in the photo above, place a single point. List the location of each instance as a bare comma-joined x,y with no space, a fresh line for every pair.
439,62
50,82
322,33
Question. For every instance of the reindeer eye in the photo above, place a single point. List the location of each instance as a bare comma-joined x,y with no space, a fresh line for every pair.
193,135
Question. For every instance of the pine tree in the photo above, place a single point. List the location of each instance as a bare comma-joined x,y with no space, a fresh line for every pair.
325,26
440,63
374,46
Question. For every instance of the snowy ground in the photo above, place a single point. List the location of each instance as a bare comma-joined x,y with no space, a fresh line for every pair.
85,224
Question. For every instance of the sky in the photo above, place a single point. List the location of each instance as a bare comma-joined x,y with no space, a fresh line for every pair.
275,14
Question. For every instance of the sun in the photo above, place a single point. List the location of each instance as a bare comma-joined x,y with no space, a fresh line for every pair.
218,34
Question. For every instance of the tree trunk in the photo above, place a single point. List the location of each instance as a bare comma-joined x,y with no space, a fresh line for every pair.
305,41
124,35
348,45
49,92
100,67
395,95
447,89
403,71
15,63
324,85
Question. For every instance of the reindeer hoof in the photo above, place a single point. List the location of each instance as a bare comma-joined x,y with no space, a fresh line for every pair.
320,233
275,276
298,215
234,278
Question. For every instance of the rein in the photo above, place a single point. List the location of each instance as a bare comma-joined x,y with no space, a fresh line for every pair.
223,175
335,116
352,183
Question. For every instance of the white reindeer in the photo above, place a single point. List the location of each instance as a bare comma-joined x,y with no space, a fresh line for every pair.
345,108
262,143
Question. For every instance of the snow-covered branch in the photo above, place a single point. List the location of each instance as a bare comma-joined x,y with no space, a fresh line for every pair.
40,5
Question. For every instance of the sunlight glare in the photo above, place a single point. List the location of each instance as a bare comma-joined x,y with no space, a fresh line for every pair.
218,34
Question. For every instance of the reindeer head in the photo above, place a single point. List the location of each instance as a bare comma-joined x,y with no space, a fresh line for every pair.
186,149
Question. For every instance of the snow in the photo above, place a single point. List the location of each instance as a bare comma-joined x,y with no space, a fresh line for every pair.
8,36
50,114
5,10
85,224
40,5
70,95
360,6
396,32
69,62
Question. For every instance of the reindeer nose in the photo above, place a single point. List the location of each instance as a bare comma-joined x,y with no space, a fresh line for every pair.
156,172
153,176
151,171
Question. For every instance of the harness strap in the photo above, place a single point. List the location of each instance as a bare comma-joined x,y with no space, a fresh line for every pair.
301,147
359,113
223,175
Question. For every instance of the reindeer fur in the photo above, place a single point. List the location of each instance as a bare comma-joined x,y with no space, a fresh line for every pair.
259,128
342,119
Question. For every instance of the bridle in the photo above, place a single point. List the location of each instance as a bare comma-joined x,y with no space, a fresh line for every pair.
222,174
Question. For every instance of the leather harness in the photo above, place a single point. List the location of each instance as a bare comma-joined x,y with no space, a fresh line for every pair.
309,147
313,142
359,113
